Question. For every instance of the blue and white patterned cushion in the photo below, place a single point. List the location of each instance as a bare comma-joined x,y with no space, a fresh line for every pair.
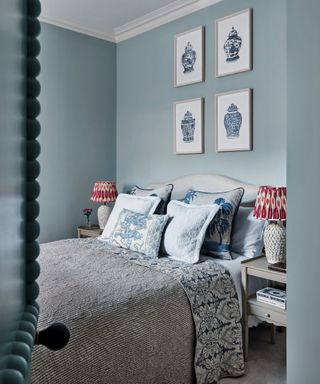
163,192
218,237
186,229
138,232
145,205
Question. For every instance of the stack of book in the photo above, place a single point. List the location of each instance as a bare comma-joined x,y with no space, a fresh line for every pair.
273,296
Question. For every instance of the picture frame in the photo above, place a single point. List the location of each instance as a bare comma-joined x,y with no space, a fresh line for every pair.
189,57
188,126
233,43
233,122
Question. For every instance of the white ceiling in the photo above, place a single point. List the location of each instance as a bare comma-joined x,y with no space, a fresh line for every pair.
116,20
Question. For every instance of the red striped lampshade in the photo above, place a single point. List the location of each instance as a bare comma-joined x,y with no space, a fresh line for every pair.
104,192
271,203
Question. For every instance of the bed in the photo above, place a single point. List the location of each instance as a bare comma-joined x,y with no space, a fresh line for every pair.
137,319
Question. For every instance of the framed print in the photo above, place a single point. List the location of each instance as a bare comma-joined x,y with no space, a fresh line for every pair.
234,43
189,57
188,126
233,121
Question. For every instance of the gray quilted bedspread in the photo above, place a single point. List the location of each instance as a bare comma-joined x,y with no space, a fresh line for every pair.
134,319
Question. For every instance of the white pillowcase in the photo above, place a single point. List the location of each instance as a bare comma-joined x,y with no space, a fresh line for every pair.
145,205
186,229
247,233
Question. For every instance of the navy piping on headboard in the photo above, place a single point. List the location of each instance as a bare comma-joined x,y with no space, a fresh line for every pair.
18,352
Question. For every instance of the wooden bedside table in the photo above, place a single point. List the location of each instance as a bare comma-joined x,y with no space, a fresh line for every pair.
258,267
93,231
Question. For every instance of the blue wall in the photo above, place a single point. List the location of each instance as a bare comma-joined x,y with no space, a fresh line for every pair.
145,94
303,191
107,111
78,118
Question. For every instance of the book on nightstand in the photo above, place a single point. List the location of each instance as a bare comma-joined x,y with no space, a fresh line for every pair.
280,267
273,296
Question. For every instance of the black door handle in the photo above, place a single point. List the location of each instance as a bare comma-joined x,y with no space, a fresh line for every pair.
55,337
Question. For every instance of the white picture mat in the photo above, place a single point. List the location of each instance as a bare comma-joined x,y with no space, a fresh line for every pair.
195,37
242,23
195,106
242,99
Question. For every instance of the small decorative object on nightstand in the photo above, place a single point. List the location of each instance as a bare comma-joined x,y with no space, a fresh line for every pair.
87,212
271,205
104,192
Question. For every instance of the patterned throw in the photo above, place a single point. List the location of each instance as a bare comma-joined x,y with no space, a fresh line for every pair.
215,309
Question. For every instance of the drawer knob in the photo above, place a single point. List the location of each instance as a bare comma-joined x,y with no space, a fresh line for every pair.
268,315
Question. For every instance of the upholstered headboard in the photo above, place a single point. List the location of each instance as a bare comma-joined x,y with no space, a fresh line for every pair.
210,183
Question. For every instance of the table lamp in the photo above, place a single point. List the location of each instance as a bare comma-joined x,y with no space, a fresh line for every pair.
271,205
104,192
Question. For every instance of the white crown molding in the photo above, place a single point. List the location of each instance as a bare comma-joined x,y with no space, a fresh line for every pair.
160,17
77,28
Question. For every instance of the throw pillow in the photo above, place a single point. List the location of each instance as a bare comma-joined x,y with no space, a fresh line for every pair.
186,229
139,232
247,234
140,204
218,236
163,192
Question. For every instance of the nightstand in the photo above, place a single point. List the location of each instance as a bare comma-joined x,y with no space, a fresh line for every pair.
93,231
258,267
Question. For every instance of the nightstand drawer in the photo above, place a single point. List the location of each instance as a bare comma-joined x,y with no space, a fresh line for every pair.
266,312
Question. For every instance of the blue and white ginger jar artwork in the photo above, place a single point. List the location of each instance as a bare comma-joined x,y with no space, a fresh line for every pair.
189,58
232,122
232,46
188,125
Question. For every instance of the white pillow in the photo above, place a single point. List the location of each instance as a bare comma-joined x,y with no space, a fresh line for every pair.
185,231
247,234
139,204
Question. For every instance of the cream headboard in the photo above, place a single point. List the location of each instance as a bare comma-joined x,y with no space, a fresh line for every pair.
210,183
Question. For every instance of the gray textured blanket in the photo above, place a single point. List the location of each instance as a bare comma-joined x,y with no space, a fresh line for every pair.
130,318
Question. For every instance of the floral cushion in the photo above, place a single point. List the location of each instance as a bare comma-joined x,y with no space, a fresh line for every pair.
186,229
139,232
140,204
218,237
163,192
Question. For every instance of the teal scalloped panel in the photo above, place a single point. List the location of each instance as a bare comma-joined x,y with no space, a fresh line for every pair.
15,364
